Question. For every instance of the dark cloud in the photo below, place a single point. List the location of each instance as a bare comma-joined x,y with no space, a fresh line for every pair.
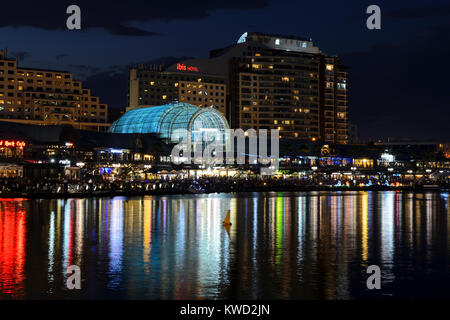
20,55
61,56
84,68
117,16
399,90
110,86
420,12
111,83
122,30
82,71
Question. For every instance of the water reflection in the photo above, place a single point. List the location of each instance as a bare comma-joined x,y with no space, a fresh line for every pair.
313,245
12,247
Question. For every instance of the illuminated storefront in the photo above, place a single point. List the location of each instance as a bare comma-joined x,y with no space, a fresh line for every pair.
12,148
363,163
10,171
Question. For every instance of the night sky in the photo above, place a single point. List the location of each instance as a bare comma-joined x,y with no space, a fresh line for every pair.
399,78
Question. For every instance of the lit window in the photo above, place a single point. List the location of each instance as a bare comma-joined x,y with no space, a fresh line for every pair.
164,97
330,67
277,42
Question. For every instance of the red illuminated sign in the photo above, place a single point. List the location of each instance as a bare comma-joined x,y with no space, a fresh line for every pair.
183,67
12,144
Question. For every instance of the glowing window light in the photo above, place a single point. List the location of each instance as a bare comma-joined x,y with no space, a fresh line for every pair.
387,157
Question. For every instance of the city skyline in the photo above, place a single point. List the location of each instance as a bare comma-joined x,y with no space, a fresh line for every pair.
395,74
222,158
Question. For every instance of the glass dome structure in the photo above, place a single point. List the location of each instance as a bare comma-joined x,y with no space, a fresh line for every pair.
165,119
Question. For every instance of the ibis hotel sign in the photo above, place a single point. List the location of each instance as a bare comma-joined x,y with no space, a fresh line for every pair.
183,67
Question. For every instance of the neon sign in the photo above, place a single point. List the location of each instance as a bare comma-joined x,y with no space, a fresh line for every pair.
183,67
12,144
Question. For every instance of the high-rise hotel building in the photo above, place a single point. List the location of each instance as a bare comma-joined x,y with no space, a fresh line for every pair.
281,82
151,85
47,97
286,83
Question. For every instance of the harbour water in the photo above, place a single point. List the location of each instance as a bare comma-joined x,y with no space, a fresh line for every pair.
281,245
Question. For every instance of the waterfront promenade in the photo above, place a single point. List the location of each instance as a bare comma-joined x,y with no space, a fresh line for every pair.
47,188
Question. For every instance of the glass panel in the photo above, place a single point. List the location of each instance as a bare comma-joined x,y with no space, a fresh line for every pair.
167,118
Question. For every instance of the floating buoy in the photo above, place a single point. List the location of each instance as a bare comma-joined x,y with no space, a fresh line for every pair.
227,221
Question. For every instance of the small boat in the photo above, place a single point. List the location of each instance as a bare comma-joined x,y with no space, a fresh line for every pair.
226,221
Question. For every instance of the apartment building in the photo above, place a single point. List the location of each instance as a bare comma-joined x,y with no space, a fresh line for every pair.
281,82
150,85
286,83
47,97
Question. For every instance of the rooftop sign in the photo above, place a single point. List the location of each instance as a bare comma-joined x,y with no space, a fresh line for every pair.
183,67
